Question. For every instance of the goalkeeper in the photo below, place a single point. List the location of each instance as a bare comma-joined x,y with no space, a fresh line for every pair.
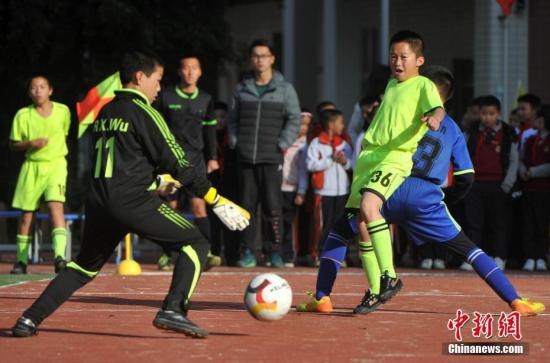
132,142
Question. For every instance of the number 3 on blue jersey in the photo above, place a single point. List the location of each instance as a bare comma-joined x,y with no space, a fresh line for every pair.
429,149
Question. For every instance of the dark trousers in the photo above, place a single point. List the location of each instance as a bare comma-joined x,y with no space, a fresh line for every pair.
305,226
486,211
431,250
262,183
333,209
289,215
536,214
105,226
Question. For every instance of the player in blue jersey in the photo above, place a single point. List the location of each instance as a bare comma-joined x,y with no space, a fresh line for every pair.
417,205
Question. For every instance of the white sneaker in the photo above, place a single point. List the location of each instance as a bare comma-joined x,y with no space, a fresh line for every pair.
439,264
466,266
500,263
541,265
529,265
289,264
426,264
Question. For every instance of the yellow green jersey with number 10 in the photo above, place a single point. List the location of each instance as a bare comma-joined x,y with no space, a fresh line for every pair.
28,125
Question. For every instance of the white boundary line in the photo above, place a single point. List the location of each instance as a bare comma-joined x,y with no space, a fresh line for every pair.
230,293
24,282
287,272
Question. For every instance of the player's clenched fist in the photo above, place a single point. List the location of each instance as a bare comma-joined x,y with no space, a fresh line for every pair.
432,122
233,216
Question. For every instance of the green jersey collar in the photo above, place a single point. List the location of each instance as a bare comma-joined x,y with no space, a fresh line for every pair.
136,92
185,95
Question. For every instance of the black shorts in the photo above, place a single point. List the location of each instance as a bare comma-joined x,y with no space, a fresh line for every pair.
148,216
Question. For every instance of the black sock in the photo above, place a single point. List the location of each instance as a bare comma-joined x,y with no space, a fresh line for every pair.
58,291
185,277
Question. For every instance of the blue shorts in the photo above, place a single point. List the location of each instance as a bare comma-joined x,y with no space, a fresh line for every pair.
417,206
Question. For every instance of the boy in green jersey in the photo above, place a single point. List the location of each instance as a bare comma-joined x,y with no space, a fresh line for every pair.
40,130
411,104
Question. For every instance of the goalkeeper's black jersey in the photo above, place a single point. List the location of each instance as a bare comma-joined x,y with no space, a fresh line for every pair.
191,119
132,144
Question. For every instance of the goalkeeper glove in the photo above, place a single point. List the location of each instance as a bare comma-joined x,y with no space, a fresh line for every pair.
233,216
167,185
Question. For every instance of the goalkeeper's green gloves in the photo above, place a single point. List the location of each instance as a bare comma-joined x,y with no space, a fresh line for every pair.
166,185
233,216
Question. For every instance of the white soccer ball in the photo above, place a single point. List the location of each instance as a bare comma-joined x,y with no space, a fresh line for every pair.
268,297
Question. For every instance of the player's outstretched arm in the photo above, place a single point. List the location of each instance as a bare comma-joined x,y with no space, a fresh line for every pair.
233,216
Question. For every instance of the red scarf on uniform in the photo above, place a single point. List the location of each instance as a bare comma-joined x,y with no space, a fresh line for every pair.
318,177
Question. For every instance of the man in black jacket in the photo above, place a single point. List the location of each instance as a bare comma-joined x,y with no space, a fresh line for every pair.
264,121
132,144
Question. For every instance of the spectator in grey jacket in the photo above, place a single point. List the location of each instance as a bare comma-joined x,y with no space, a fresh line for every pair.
263,123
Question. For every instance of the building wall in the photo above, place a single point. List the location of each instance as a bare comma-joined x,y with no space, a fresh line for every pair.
539,48
448,35
248,21
500,64
308,56
468,34
354,17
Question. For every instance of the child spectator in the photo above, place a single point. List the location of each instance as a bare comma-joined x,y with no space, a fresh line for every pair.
316,128
368,106
472,114
513,119
534,170
40,130
374,85
528,105
295,183
493,148
328,158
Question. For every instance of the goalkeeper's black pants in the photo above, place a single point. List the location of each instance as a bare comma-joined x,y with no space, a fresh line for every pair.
105,226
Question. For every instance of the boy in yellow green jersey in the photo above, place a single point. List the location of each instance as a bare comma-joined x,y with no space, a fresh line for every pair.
40,130
410,106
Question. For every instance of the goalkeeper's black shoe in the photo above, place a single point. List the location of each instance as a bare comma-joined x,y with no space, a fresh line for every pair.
369,303
389,286
59,264
174,320
24,328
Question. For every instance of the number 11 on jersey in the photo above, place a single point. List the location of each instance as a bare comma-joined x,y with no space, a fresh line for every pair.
110,146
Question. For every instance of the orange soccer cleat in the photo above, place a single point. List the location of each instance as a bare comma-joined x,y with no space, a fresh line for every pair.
526,307
323,305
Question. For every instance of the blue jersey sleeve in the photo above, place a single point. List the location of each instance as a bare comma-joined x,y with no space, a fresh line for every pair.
437,149
460,157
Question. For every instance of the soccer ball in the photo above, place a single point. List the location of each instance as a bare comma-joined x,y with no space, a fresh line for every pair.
268,297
